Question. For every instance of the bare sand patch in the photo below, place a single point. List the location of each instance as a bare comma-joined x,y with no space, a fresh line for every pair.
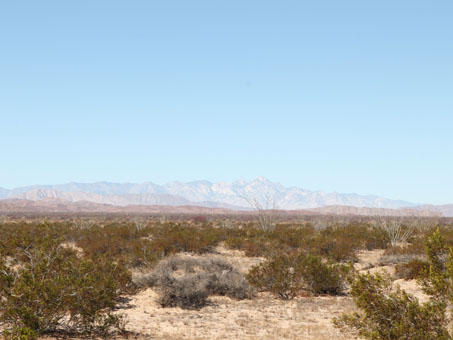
264,317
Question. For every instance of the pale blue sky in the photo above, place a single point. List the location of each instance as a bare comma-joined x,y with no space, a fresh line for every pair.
346,96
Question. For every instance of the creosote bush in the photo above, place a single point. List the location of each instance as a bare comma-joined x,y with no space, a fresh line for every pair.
341,243
338,243
55,290
290,275
187,282
172,238
386,313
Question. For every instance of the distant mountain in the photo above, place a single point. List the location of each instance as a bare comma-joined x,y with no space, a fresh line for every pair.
355,211
4,193
118,200
50,205
100,188
57,205
446,209
204,193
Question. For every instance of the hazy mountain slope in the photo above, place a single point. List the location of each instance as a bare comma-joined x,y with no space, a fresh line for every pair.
126,199
284,198
445,209
101,188
50,205
348,210
220,194
4,193
119,200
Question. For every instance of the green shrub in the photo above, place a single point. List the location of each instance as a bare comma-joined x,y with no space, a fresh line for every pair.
256,242
322,278
287,276
171,238
56,290
278,276
386,313
438,281
250,240
341,243
117,241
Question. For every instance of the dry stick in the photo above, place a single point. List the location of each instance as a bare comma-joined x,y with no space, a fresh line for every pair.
266,219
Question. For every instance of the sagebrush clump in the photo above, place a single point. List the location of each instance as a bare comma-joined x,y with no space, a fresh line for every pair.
187,282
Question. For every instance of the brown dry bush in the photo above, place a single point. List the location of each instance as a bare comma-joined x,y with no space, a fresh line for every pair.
187,282
414,269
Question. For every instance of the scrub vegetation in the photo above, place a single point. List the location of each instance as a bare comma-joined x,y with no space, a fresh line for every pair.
70,275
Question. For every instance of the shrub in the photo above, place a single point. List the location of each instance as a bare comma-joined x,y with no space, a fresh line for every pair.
187,282
171,238
278,276
121,242
438,281
189,292
56,290
256,242
287,276
253,242
415,248
387,313
341,243
412,270
290,238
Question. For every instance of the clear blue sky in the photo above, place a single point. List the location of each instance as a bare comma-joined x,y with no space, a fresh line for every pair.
346,96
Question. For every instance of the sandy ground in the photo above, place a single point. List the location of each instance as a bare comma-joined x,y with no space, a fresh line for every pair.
262,318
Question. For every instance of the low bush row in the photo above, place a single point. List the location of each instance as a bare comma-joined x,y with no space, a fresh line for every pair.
338,243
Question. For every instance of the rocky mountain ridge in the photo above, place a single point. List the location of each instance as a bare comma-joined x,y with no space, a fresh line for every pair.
235,195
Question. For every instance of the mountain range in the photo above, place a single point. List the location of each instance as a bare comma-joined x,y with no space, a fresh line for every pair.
231,195
236,195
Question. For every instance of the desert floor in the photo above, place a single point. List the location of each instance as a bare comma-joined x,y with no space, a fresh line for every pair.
264,317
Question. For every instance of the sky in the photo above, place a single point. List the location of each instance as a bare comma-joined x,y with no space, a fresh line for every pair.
339,96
